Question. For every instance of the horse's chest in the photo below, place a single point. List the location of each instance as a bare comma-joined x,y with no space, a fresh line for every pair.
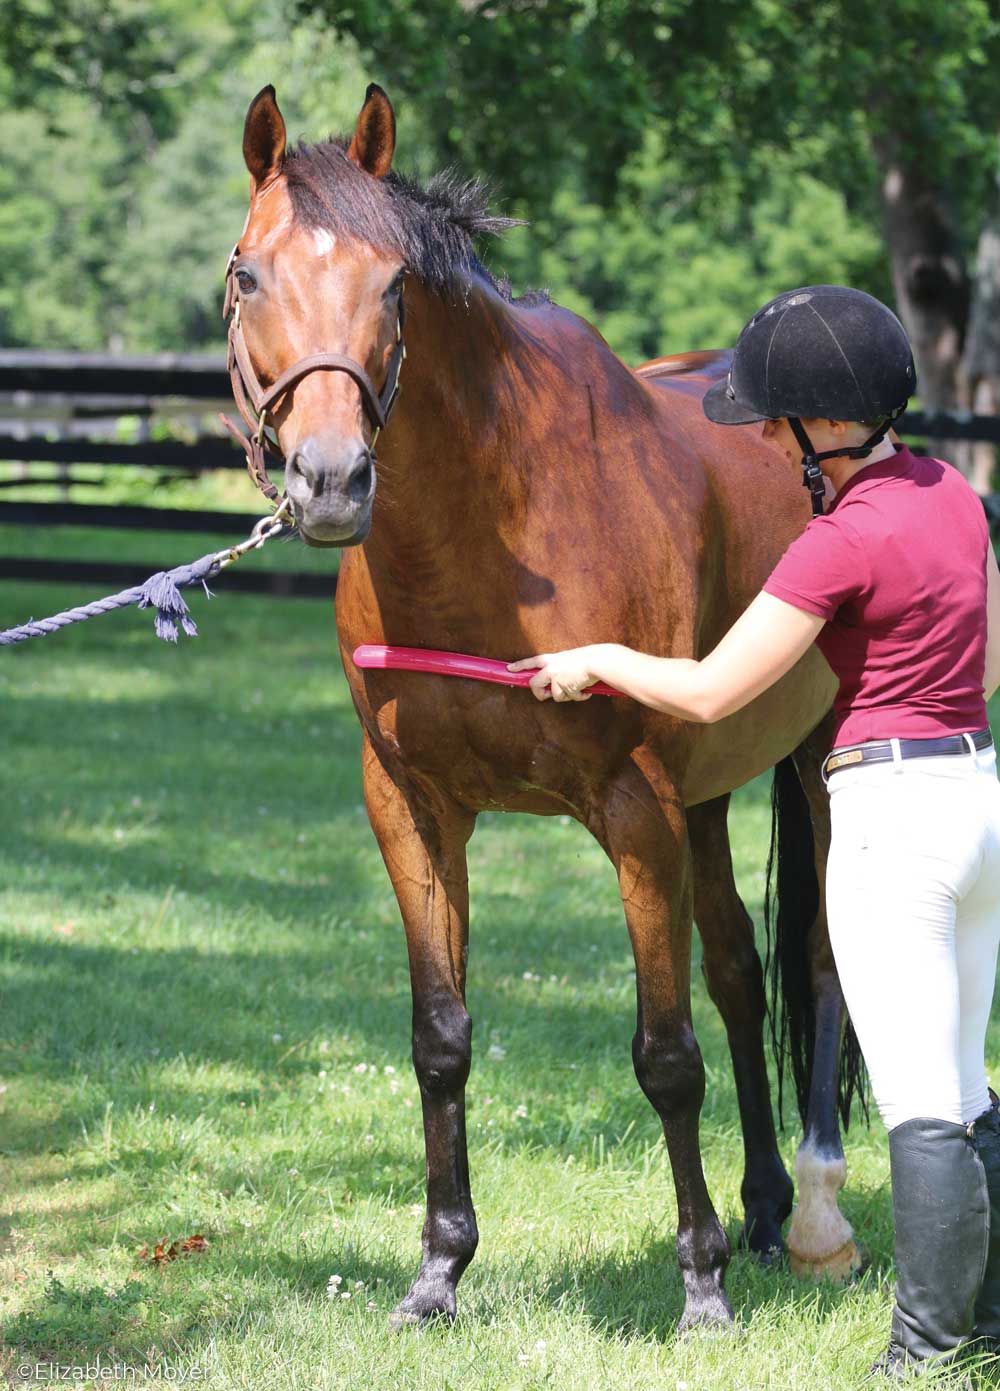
489,750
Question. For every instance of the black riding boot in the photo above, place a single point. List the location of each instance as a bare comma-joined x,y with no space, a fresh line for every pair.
987,1330
940,1206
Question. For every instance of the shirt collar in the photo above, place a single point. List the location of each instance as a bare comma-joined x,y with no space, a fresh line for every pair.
893,467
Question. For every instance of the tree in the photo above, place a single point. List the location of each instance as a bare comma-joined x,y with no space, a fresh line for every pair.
896,104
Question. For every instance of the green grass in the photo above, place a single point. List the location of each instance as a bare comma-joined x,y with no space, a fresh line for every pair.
205,1028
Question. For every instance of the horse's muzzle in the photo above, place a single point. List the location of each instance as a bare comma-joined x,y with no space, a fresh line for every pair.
332,490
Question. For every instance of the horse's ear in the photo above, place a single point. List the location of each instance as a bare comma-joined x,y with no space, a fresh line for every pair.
263,137
374,138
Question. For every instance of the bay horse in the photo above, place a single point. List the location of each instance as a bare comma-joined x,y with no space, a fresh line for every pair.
534,493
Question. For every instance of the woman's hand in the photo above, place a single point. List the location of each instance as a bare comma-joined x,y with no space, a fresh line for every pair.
765,641
560,675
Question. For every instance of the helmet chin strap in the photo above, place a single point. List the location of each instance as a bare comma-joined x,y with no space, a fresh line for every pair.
812,474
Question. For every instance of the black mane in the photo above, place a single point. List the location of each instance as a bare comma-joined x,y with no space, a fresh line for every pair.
430,226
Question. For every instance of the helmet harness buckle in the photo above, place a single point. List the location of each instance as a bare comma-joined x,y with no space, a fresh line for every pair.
812,474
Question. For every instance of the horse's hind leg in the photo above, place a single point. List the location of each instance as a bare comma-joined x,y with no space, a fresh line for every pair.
423,846
820,1239
735,981
644,832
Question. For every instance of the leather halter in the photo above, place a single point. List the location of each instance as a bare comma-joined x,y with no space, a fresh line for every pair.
254,400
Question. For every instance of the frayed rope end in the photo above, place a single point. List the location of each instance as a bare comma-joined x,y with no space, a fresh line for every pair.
161,593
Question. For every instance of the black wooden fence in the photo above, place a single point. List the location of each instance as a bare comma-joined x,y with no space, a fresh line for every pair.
55,407
56,410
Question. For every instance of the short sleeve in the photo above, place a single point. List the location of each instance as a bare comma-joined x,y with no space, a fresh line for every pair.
822,569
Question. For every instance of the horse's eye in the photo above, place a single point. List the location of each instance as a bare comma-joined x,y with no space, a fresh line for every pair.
246,282
396,288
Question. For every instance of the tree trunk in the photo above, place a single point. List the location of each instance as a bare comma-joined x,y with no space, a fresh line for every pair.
981,359
932,288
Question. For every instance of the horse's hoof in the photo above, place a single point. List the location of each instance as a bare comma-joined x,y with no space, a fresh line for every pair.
714,1315
846,1263
769,1257
423,1307
764,1241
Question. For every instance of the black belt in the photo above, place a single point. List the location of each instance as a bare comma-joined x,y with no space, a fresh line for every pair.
881,751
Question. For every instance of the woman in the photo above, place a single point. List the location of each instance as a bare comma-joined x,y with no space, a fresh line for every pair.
898,585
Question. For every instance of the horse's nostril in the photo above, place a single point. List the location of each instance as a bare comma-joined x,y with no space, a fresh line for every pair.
314,477
360,476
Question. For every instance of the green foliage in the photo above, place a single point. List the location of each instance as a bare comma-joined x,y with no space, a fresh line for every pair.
116,217
679,161
60,206
535,90
656,282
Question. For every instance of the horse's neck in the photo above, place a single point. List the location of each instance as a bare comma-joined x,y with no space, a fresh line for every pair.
487,386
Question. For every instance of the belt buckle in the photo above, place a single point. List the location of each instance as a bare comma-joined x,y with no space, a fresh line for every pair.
840,760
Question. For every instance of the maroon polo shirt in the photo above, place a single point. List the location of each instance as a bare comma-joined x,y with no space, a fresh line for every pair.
897,567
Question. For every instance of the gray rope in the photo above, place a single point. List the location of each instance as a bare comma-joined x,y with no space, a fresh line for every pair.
161,592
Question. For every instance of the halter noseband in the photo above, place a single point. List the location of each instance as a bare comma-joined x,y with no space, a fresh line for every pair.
253,400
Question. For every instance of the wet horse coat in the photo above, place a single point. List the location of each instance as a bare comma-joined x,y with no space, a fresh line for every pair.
533,494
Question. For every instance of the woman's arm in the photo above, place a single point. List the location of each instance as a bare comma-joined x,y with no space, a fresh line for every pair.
763,643
991,677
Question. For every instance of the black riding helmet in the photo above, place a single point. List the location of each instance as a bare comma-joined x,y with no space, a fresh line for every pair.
823,352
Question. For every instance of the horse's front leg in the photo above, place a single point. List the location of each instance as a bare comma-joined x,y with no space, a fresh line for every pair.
735,981
645,834
423,840
820,1239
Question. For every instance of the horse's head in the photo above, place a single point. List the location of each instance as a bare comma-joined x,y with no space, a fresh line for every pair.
310,278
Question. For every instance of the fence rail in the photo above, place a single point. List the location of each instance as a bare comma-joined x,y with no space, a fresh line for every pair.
66,392
951,425
120,575
207,452
126,517
195,377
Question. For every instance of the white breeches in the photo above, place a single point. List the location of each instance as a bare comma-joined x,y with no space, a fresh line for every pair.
913,903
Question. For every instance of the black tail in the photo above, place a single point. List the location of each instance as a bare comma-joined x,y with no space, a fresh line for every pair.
791,1006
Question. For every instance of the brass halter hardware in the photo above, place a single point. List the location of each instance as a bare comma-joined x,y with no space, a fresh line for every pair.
253,400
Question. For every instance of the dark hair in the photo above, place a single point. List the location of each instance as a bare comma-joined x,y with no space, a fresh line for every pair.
430,226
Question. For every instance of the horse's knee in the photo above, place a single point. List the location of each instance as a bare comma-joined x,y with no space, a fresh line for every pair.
669,1069
442,1046
735,970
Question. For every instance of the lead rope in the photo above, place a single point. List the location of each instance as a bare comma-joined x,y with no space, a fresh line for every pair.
161,591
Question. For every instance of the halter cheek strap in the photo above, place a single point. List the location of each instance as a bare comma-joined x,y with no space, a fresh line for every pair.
812,474
253,400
